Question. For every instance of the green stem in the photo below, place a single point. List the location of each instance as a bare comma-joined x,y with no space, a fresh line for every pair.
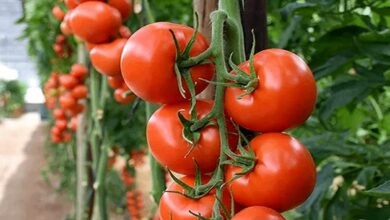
234,30
148,12
100,182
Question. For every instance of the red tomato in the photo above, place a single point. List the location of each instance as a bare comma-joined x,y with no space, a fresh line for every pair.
68,81
95,22
283,177
59,113
66,137
71,4
169,147
284,98
67,101
175,206
79,70
55,131
74,123
65,29
106,58
123,6
148,62
115,82
258,213
58,48
58,13
76,109
56,138
124,32
60,39
89,46
119,96
80,92
61,124
51,103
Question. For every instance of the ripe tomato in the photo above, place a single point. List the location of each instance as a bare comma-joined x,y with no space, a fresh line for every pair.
78,70
58,13
61,124
65,29
60,39
67,101
55,131
148,62
73,123
284,175
59,113
71,4
80,92
50,103
106,58
89,46
68,81
284,98
66,137
123,6
124,32
56,138
119,95
176,206
76,109
115,82
95,22
58,48
258,213
169,147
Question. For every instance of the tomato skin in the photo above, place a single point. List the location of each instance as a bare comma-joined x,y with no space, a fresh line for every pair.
67,101
60,39
74,123
71,4
258,213
95,22
153,49
68,81
169,147
174,206
61,124
124,32
115,82
283,178
55,131
284,98
118,95
123,6
106,58
59,114
78,70
80,92
58,13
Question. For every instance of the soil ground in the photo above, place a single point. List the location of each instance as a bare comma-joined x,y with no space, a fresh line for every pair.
23,192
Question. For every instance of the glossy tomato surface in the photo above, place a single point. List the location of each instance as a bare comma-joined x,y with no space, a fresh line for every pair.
121,97
284,175
80,92
123,6
58,13
148,62
95,22
79,70
115,82
284,98
258,213
106,58
164,136
175,206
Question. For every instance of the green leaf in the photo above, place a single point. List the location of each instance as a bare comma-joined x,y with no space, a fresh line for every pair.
294,6
288,32
382,190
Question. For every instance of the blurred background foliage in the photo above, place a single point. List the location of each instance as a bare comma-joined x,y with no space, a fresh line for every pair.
11,98
347,45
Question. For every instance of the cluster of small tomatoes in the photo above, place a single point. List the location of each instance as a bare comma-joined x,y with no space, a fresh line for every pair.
99,25
61,47
283,175
64,94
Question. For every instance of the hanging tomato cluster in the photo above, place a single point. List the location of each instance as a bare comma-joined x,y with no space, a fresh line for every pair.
201,139
99,25
64,94
61,47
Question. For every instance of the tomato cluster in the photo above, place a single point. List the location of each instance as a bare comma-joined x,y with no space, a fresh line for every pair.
283,173
61,47
99,25
64,94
